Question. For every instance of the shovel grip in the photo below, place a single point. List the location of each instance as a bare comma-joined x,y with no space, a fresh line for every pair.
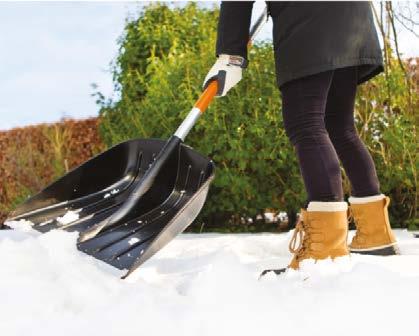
207,96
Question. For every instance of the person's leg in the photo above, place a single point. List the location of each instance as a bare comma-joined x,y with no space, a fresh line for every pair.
368,207
322,229
339,121
303,109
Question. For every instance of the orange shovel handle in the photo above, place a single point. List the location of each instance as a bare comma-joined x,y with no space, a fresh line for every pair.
207,96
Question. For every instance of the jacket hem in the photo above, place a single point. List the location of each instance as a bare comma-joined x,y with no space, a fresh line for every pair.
376,63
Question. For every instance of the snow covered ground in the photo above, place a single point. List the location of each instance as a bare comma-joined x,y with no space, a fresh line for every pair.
203,285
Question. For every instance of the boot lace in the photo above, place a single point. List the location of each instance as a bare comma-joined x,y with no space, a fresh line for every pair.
300,235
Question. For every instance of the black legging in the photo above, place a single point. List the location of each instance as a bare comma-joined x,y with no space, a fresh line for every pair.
318,118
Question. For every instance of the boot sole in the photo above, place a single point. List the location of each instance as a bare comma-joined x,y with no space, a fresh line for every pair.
276,271
380,251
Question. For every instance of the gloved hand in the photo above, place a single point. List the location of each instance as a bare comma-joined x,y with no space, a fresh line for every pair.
227,70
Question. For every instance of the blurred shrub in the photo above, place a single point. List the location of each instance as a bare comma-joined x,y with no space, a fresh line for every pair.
164,56
158,32
386,113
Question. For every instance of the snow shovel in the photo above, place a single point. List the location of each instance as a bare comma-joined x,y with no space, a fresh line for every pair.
130,201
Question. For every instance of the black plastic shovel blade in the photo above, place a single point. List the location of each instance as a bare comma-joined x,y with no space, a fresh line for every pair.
96,190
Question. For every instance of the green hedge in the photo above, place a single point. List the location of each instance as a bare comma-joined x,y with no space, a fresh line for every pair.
164,56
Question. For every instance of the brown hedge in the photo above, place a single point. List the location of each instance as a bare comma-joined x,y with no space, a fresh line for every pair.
33,156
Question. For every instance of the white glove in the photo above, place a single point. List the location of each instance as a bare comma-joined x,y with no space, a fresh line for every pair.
227,70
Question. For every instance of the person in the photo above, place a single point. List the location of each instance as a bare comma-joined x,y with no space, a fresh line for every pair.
323,50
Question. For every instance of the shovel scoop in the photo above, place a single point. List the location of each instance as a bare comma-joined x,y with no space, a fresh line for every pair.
95,191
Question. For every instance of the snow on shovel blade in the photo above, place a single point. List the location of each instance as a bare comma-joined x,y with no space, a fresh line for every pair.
95,190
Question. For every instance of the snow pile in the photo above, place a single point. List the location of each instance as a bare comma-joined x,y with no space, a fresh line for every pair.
69,217
203,285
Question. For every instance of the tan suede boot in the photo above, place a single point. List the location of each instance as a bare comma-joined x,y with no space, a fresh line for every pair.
322,233
373,231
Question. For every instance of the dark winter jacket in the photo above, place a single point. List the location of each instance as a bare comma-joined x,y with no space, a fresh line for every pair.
308,37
